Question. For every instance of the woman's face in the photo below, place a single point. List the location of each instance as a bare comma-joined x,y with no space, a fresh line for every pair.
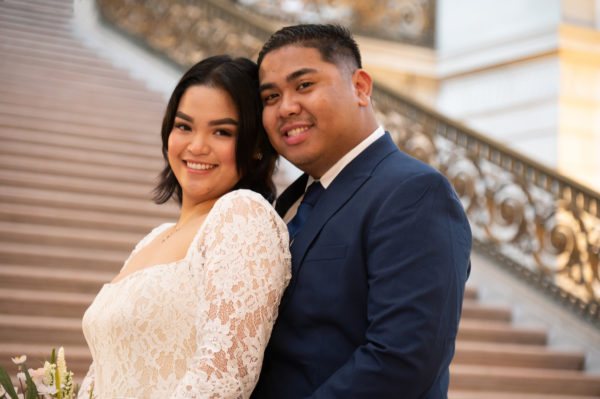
202,144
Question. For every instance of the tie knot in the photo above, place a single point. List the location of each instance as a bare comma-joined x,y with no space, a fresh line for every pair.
313,193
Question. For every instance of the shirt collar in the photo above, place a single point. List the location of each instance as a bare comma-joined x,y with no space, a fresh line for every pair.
335,170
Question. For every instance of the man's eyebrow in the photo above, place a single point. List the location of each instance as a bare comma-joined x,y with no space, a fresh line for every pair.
186,117
298,73
224,121
289,78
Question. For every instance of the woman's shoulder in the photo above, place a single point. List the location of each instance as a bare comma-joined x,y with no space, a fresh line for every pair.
247,204
244,197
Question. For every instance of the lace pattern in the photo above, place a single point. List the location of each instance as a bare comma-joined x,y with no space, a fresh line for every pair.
198,327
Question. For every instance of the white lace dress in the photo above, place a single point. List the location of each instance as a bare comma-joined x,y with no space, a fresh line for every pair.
197,327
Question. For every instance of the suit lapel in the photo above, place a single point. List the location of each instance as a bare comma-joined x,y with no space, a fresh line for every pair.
341,190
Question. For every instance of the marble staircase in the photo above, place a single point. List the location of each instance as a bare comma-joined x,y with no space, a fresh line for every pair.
79,150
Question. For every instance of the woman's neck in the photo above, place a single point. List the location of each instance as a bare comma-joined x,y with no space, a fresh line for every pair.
191,211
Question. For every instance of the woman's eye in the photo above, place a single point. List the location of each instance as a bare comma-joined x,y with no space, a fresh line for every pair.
225,133
182,126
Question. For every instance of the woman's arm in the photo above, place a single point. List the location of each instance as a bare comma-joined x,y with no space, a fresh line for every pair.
246,267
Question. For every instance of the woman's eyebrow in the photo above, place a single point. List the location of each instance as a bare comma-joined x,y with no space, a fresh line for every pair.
224,121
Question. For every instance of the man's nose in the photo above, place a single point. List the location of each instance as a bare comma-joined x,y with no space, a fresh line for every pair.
289,106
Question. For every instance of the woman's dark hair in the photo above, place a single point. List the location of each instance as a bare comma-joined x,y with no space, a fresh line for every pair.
254,155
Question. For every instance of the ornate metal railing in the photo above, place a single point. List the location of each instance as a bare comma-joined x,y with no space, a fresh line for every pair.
537,223
408,21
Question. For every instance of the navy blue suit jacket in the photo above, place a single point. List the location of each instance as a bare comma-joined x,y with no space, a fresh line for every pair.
378,276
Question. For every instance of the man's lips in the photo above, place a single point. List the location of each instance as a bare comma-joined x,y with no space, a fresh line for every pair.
296,131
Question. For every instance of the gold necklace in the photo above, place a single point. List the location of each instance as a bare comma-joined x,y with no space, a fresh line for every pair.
175,230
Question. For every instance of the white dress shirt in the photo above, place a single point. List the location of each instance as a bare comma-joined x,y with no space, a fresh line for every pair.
335,170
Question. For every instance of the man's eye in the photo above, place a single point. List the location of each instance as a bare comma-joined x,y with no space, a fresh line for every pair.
304,85
269,98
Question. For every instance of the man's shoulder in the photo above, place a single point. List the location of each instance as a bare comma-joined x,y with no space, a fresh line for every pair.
400,166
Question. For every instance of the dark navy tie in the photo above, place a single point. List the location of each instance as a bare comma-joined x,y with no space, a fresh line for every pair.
306,205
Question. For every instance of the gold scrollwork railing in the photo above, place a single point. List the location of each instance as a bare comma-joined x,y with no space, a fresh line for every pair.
542,225
536,222
409,21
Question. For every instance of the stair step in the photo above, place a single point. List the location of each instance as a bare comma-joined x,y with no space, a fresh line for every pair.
99,109
17,178
455,394
65,59
51,332
30,44
70,130
499,332
14,27
53,279
513,379
77,238
475,310
530,356
84,202
32,79
152,106
37,8
63,257
12,11
98,221
68,169
66,115
44,303
150,166
470,292
140,151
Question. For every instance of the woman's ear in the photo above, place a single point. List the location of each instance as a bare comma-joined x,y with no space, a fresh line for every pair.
363,86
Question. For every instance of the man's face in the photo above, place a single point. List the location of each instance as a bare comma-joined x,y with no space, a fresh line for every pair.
309,107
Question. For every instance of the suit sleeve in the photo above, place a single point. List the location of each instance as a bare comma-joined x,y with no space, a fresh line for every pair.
417,259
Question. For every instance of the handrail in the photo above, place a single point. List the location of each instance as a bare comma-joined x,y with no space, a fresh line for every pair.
535,221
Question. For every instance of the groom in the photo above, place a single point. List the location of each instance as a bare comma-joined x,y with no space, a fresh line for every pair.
380,243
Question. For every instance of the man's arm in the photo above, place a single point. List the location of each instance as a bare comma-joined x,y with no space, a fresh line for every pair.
417,265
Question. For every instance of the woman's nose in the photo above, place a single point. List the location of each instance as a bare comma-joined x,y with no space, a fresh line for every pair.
199,144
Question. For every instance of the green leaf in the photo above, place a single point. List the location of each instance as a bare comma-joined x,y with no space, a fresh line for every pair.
32,392
53,357
7,383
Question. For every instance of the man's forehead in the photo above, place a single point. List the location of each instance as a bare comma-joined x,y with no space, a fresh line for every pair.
285,54
285,60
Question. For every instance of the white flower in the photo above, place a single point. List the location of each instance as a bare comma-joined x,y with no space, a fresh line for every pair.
19,359
49,373
37,375
2,391
60,362
44,389
21,376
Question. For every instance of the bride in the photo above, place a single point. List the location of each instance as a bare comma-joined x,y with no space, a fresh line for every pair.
191,311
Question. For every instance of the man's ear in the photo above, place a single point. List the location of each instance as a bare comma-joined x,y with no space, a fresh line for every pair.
363,86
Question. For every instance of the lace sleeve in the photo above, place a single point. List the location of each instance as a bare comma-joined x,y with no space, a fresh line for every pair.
87,384
246,269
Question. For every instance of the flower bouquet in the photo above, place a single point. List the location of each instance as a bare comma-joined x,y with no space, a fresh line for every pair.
53,380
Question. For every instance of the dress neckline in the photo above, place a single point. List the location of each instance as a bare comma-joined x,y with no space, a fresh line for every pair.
160,230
